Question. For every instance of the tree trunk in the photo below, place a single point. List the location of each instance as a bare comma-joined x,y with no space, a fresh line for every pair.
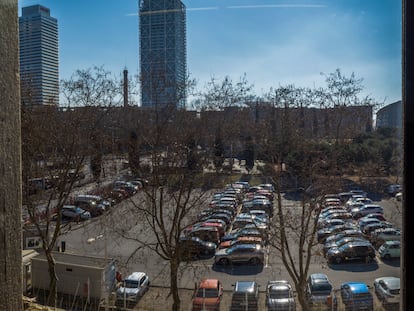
10,161
52,298
174,284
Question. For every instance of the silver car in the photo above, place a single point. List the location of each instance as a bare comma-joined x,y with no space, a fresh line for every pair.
387,289
279,296
240,253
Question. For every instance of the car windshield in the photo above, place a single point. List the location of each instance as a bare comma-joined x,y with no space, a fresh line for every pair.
131,284
322,287
207,292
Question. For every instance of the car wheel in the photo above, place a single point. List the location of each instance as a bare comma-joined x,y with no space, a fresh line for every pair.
224,262
254,261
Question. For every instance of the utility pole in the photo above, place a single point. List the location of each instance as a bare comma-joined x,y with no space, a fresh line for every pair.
11,287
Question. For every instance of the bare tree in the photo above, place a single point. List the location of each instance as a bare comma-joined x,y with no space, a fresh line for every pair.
309,159
57,145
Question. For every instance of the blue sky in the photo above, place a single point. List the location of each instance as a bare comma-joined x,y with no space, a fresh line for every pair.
273,42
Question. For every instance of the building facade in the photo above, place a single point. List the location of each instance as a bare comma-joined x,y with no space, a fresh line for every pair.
390,116
163,53
39,56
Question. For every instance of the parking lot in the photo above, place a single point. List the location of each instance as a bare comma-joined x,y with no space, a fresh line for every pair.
157,297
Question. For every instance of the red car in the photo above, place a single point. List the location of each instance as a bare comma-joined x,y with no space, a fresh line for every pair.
207,295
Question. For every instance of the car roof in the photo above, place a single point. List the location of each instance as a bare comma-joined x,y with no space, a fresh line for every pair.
393,242
209,283
391,281
357,287
70,206
247,246
135,276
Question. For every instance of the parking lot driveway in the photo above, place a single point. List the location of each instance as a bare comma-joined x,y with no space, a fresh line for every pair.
156,299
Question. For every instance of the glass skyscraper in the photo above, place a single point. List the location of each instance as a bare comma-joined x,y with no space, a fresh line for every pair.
39,56
163,53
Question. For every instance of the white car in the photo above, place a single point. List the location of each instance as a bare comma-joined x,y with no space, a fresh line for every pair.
379,236
387,289
133,287
390,249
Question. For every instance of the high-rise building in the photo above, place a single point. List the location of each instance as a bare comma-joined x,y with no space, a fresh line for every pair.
39,56
163,53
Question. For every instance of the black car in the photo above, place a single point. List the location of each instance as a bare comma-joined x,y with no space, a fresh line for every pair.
194,248
351,251
245,296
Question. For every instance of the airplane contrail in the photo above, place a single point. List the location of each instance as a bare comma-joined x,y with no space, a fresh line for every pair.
257,6
261,6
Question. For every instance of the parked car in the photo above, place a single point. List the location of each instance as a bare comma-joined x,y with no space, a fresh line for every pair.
378,216
350,252
90,203
399,196
358,191
320,293
280,296
133,287
340,242
322,234
211,223
362,222
241,253
194,247
357,201
366,209
368,229
127,186
324,223
243,232
387,289
241,240
245,296
393,189
75,213
207,295
356,296
390,249
346,233
209,234
379,236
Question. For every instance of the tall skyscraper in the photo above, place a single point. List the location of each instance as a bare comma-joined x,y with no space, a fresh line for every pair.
39,56
163,53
